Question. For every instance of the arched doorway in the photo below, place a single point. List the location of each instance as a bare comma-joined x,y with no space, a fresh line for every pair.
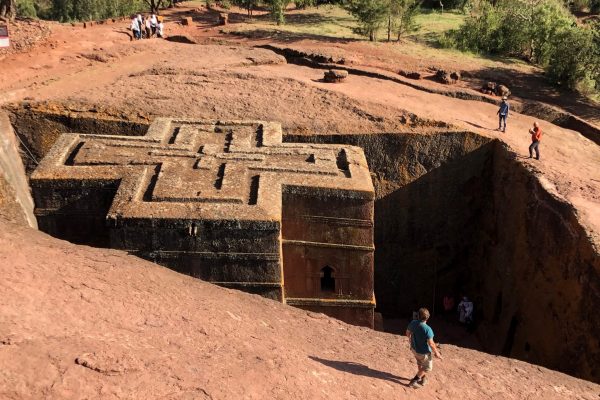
327,279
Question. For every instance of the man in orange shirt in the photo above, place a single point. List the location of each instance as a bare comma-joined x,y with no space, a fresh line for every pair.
536,136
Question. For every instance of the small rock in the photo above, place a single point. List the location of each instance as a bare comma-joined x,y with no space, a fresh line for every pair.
187,21
108,363
411,74
335,75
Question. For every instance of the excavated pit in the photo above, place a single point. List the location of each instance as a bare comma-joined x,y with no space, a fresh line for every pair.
455,213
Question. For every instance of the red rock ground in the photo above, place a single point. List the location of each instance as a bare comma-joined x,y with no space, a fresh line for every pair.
99,324
78,322
99,65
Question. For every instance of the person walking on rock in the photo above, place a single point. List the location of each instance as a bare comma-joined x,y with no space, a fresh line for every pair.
153,23
536,136
503,114
135,28
420,336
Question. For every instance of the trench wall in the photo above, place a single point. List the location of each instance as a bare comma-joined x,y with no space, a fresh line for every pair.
538,274
458,214
16,203
39,126
431,192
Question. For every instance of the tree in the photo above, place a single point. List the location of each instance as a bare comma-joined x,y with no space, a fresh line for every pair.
8,9
542,31
26,8
572,57
249,5
371,15
278,10
401,17
85,10
304,4
154,5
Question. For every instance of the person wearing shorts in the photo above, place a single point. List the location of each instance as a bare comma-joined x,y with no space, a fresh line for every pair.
420,336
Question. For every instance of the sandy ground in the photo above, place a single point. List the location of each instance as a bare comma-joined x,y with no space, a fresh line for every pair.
78,322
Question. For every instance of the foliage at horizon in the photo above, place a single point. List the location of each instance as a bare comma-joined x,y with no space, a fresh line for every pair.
398,16
544,32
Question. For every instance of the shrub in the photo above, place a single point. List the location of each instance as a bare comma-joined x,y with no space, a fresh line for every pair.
278,10
571,56
85,10
543,32
371,15
26,8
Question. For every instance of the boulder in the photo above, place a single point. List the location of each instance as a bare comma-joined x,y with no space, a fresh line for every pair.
335,75
495,89
502,90
447,77
187,21
223,19
489,87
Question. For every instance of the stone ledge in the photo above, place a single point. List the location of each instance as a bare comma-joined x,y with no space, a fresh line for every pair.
296,302
329,245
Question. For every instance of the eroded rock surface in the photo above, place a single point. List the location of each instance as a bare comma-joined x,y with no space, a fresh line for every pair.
78,322
16,203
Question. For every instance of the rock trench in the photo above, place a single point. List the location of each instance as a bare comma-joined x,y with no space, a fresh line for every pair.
455,213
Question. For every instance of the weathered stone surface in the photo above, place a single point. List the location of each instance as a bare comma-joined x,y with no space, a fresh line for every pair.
411,74
335,75
16,203
447,77
226,202
502,90
86,323
496,89
447,221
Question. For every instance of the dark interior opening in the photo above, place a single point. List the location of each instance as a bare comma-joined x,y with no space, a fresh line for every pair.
327,279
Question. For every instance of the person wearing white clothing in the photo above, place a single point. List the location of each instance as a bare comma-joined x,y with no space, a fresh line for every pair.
135,28
465,311
148,29
153,23
160,30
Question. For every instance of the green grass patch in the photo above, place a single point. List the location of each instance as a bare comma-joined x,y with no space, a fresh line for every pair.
433,24
326,21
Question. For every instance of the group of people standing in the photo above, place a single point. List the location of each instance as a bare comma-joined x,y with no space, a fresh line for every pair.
535,132
147,26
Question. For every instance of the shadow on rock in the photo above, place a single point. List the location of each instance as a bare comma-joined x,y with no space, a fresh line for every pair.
360,369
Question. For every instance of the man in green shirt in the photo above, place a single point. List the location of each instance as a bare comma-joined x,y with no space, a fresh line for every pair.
422,345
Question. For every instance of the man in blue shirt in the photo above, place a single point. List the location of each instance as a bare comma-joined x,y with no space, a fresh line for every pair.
503,114
420,336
